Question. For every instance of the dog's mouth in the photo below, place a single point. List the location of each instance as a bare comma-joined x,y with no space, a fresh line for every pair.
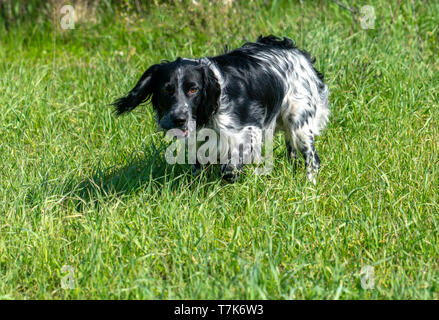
179,132
182,132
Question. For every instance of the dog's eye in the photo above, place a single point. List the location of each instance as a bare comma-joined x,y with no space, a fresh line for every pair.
193,90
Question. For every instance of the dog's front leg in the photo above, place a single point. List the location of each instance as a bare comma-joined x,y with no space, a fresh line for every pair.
236,153
231,172
232,168
196,169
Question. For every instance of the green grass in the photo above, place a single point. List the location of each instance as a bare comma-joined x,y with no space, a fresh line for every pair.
82,188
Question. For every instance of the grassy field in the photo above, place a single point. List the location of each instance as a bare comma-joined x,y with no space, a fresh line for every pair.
83,189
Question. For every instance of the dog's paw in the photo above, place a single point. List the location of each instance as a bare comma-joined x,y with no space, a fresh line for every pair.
230,173
312,175
196,170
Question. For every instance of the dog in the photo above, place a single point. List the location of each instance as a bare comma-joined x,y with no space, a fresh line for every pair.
267,85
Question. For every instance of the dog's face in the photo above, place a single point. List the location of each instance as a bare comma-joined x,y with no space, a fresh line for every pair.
180,91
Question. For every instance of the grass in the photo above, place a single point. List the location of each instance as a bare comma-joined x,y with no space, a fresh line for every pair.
81,188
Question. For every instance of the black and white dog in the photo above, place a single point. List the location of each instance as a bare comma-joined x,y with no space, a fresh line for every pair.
265,85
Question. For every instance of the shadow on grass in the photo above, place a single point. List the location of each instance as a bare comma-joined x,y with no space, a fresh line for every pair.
148,171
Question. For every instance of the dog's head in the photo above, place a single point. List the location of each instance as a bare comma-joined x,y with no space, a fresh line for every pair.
180,91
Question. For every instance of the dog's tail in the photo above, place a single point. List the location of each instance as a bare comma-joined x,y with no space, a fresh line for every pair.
142,92
274,41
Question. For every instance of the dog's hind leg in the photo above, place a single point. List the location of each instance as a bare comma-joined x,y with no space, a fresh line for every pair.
309,152
291,150
302,141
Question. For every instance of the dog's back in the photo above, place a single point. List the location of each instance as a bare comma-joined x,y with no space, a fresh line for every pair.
279,79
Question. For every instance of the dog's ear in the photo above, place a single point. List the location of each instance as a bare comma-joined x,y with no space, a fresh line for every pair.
140,93
210,97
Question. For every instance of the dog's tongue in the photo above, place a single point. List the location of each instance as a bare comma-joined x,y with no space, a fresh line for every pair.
181,133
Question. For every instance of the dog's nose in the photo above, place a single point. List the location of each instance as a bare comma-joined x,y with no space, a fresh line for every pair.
179,118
